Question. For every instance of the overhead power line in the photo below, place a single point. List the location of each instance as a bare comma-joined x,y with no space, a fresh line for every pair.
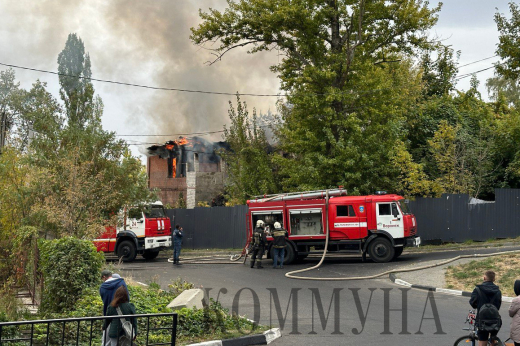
189,134
142,85
472,73
474,62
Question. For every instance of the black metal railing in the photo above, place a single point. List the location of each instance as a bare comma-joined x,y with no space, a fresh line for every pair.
87,330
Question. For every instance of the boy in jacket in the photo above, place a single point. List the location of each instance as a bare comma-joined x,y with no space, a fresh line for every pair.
490,293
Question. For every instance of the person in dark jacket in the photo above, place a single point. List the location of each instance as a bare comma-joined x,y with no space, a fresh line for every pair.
259,242
111,282
177,243
115,329
279,244
490,293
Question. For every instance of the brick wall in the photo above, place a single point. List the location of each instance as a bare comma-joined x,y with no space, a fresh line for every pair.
197,186
158,178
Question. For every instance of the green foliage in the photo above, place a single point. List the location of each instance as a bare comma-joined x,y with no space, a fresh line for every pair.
74,172
412,180
77,92
69,266
181,202
249,166
179,285
439,73
508,47
213,322
347,75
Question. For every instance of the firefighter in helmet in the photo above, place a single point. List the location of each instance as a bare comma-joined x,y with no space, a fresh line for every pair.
259,243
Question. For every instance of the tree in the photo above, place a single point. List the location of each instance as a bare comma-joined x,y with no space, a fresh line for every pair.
439,73
250,169
10,94
181,202
77,92
504,90
508,47
412,180
347,76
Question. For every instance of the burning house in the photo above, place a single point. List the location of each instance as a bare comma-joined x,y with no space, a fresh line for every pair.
190,166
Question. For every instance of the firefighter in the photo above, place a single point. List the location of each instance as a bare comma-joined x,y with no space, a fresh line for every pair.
258,244
279,244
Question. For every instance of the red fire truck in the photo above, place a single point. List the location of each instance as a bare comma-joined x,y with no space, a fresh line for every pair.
144,230
379,225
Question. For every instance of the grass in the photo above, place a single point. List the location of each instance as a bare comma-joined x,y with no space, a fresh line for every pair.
466,244
466,276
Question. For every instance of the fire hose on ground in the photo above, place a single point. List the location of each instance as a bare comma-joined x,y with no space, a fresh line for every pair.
291,275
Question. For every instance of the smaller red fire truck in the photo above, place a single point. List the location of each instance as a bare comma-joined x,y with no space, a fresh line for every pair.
140,230
379,225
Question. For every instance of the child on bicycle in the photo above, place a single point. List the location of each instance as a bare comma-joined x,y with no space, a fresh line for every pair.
485,294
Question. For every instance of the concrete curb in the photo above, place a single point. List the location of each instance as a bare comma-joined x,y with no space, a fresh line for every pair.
258,339
400,282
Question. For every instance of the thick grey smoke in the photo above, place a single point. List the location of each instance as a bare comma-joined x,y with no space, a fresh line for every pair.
142,42
159,31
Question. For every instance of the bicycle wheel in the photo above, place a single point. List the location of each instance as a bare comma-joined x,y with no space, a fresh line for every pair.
465,341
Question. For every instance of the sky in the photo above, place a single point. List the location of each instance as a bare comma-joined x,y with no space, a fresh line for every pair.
147,42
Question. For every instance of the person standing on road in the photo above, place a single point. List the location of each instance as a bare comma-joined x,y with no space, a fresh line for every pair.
279,244
514,313
177,243
482,297
107,291
258,244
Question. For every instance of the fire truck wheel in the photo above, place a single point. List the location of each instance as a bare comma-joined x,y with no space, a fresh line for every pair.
398,251
126,251
149,255
381,250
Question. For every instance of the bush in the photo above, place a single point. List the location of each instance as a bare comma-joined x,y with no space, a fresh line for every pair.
69,266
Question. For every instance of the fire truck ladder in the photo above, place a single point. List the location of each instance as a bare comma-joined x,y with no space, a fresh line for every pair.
298,195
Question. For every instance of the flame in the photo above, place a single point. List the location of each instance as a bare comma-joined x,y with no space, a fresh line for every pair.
174,167
169,146
182,141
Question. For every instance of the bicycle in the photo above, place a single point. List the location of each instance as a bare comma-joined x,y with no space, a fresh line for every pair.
472,338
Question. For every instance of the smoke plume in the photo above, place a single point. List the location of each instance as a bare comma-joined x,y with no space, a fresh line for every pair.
142,42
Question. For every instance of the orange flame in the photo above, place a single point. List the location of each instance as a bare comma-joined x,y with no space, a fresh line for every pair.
174,167
182,141
169,146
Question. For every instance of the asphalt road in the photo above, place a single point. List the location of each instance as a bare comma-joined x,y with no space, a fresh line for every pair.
361,312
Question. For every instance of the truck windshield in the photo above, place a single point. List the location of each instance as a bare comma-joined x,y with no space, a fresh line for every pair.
154,211
404,207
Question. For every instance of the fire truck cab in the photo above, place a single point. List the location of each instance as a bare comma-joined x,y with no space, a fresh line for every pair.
379,225
144,230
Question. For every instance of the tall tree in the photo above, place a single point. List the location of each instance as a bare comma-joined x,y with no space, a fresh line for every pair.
439,70
10,95
344,69
249,165
76,90
508,47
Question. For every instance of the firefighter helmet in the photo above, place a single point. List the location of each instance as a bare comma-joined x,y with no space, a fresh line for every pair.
277,225
260,223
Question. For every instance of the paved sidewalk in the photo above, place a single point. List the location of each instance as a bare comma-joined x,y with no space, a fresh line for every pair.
434,277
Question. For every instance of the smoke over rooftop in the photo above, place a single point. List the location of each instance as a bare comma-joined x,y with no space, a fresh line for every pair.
142,42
